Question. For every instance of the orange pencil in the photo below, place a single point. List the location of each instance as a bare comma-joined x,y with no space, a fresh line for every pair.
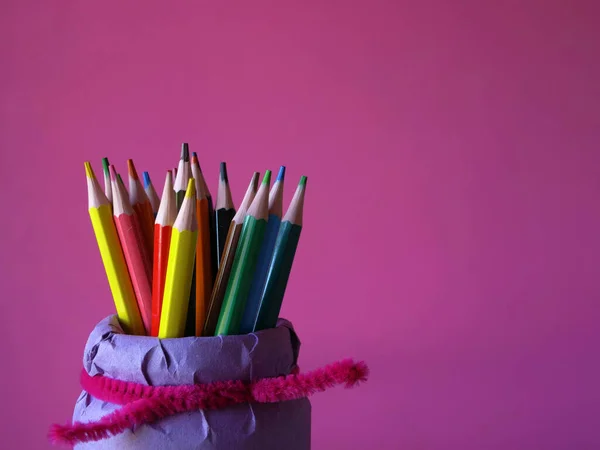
167,213
138,261
141,205
203,272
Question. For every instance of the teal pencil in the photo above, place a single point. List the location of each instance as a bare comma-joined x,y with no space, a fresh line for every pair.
264,257
282,260
244,263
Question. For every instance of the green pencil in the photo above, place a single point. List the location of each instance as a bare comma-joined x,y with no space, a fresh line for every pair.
244,263
183,175
107,183
282,260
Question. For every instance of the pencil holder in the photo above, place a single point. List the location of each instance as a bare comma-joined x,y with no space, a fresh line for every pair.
224,392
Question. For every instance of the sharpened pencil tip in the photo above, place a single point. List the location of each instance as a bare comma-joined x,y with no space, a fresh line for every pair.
191,188
105,165
302,181
120,179
131,169
185,152
281,174
147,181
113,173
255,178
194,160
223,172
89,172
267,178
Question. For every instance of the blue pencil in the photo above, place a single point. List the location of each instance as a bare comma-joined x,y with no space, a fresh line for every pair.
264,257
151,193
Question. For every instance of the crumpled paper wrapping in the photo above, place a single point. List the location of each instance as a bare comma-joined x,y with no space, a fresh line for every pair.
148,360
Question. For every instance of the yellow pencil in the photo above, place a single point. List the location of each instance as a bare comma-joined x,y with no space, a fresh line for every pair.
101,216
180,268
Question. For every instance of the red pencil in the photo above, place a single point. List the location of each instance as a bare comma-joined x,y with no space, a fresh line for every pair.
138,261
141,205
167,213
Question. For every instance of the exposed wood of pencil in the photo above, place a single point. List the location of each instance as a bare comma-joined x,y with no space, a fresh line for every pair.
139,262
231,244
151,193
282,260
141,205
167,213
183,175
244,263
101,216
264,257
180,268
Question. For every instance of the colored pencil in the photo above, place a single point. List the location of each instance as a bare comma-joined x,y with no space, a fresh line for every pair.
101,216
151,193
107,183
180,268
231,244
203,278
136,254
224,212
281,262
264,257
167,213
183,175
244,264
141,205
211,214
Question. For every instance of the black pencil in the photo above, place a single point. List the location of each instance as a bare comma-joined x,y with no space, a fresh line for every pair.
224,212
183,175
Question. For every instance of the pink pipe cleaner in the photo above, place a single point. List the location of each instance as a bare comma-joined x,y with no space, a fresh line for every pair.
146,404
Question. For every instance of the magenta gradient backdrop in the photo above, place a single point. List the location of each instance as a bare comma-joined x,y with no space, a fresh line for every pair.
452,220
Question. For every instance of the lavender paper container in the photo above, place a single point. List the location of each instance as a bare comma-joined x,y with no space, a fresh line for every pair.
191,360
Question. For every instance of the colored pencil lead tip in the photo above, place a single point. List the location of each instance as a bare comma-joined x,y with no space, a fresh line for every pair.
302,181
185,152
281,174
146,179
195,160
131,169
89,172
191,188
267,177
223,172
105,165
120,179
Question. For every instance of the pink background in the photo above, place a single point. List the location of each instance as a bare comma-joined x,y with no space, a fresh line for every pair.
452,222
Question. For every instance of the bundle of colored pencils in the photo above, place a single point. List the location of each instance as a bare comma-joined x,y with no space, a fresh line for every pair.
178,266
